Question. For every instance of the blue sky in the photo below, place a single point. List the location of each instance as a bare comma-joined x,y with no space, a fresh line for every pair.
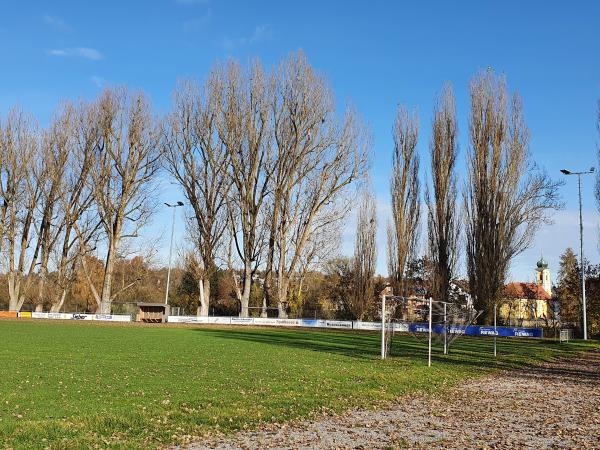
375,55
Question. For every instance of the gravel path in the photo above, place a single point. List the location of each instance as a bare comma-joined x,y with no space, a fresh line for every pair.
555,406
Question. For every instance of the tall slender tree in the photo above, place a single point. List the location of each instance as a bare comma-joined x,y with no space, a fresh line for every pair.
507,197
443,228
365,256
569,287
244,126
403,232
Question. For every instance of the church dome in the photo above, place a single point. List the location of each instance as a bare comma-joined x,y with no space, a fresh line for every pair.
542,264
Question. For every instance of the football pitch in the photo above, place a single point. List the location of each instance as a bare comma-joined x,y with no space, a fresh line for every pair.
82,385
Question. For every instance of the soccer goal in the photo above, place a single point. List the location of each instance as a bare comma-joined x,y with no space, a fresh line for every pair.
436,321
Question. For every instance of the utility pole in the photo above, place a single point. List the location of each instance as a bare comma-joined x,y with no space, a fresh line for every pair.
583,300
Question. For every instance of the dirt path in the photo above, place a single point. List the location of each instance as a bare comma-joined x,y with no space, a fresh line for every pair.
556,406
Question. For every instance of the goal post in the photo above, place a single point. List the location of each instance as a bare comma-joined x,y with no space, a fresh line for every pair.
440,322
388,309
383,328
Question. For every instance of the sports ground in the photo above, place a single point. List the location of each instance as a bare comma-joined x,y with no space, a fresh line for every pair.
85,385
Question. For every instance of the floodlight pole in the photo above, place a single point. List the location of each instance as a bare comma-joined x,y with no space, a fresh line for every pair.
383,328
171,249
430,317
583,299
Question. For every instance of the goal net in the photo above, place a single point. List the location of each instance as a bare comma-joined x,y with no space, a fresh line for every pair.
439,323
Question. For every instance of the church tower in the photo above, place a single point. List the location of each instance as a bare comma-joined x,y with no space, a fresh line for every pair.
542,276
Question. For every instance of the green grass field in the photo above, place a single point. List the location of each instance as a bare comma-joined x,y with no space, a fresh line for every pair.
82,385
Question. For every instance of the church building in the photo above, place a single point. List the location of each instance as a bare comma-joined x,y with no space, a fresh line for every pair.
524,304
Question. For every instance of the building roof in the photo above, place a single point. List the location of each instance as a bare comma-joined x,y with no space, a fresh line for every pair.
529,291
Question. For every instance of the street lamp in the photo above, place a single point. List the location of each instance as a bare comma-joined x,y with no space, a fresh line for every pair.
583,302
171,248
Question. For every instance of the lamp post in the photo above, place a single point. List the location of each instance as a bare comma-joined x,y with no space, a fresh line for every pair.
171,248
583,302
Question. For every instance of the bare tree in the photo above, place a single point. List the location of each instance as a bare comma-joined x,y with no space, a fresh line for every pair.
244,129
125,158
365,255
443,231
323,245
507,197
405,188
316,158
74,136
196,158
20,193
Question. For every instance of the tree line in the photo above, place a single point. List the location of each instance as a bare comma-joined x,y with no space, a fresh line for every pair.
269,167
264,159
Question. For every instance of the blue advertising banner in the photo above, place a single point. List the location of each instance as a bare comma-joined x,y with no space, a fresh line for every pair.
476,330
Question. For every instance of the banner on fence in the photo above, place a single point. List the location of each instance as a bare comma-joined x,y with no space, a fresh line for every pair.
345,324
82,316
367,325
476,330
187,319
242,321
113,317
221,320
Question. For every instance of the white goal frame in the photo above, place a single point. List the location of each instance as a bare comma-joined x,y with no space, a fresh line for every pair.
446,341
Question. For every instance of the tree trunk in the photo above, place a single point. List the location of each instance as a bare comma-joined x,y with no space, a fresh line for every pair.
245,297
282,295
263,312
13,292
282,310
41,289
57,305
109,268
204,289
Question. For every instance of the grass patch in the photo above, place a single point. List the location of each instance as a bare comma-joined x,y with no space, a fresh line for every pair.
79,385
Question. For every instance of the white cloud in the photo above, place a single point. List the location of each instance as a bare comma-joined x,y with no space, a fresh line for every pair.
81,52
56,22
193,25
58,53
88,53
261,33
99,82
